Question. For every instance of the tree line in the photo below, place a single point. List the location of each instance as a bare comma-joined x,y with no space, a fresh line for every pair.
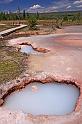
65,16
16,16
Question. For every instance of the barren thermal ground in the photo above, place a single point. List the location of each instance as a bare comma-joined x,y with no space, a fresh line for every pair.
48,59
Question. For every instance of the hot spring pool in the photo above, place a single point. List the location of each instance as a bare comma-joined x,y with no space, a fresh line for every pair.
44,99
28,49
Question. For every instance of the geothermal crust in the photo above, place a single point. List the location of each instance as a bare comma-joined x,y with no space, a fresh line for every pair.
62,63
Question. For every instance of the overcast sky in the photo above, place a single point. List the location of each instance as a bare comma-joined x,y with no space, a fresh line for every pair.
41,5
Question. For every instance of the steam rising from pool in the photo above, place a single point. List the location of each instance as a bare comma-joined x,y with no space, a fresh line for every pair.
44,99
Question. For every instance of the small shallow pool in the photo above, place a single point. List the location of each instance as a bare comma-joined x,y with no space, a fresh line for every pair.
28,49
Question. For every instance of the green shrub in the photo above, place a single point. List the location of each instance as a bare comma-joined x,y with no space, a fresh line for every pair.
32,23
